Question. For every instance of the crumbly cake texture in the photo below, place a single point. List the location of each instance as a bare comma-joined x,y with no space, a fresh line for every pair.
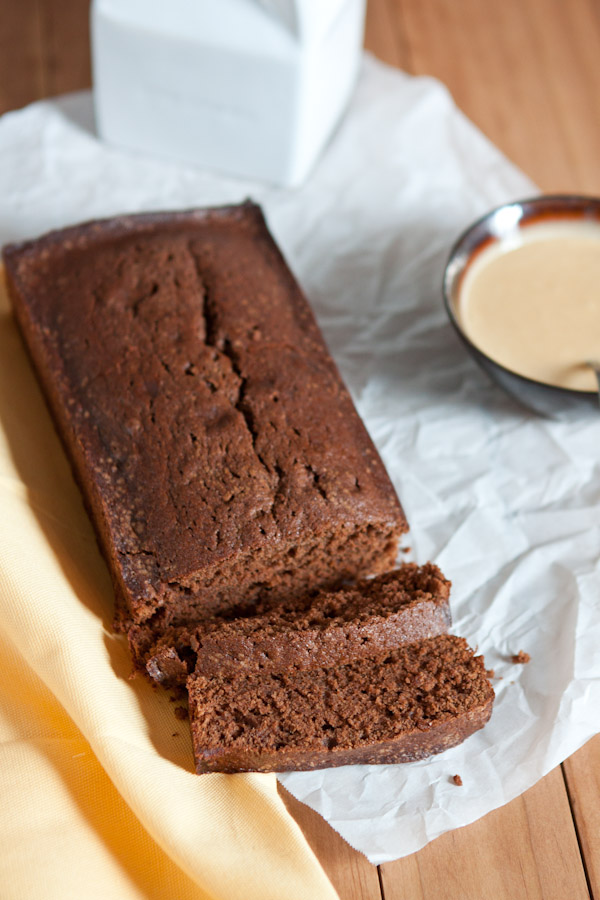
218,451
365,619
415,701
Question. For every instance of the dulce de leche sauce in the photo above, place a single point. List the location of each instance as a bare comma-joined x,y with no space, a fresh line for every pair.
531,301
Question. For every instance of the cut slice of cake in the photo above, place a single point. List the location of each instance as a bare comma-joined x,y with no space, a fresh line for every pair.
415,701
365,619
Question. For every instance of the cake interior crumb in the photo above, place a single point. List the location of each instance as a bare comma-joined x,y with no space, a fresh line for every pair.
353,705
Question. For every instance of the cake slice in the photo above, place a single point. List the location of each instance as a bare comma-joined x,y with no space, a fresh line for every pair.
415,701
219,453
365,619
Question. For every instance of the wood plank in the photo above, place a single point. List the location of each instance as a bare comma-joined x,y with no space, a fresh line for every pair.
527,849
569,49
383,34
351,874
582,773
66,45
21,68
44,50
515,75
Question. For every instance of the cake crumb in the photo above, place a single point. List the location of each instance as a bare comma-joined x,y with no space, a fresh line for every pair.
521,657
457,780
490,673
181,713
178,692
405,549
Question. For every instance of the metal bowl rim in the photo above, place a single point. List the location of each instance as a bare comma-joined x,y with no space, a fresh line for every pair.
566,201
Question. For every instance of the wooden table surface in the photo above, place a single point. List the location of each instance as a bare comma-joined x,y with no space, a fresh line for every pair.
527,72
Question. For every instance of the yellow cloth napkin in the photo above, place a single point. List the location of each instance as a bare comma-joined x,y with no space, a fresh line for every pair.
98,795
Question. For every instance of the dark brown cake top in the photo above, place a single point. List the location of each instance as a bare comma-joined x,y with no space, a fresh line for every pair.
199,388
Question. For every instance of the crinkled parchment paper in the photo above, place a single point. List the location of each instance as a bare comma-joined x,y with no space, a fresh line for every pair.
505,502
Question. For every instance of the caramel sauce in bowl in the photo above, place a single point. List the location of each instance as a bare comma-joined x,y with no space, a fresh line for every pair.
522,289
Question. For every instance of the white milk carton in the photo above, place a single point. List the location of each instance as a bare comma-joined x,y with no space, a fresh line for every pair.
249,87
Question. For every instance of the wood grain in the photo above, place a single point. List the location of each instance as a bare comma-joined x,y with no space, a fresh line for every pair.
527,72
582,774
64,26
383,36
21,64
351,874
527,849
487,55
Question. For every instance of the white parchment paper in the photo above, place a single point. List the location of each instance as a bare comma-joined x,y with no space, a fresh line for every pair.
506,503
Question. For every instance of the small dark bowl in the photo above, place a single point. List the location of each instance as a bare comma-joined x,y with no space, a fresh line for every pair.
544,399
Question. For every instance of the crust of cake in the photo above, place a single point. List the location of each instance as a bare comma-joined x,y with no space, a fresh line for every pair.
201,411
403,749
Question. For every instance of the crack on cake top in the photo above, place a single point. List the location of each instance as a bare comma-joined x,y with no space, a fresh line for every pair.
221,343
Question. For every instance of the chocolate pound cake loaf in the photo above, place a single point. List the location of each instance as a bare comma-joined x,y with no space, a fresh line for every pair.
241,506
368,618
217,449
420,699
